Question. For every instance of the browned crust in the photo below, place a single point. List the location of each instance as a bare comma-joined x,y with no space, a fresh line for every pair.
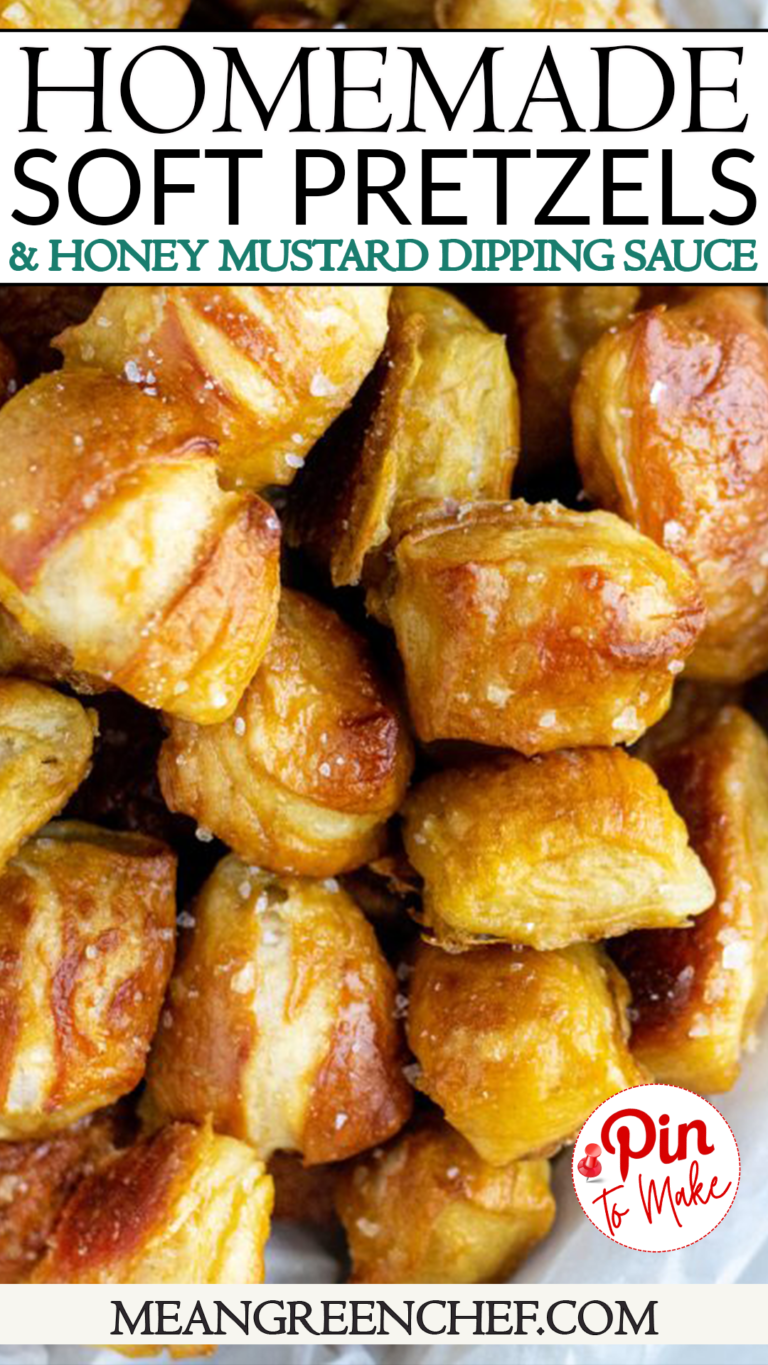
228,606
671,431
36,1180
685,1003
70,441
365,1058
125,884
115,1211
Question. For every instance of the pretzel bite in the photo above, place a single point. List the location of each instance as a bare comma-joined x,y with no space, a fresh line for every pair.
32,314
428,1210
671,431
265,369
501,14
87,924
46,743
117,544
444,423
312,764
536,628
577,845
181,1207
36,1179
88,14
697,993
280,1020
518,1047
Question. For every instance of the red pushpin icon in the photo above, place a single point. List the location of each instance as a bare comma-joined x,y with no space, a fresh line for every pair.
589,1165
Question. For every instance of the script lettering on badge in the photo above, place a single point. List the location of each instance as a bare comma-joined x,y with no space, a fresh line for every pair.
669,1163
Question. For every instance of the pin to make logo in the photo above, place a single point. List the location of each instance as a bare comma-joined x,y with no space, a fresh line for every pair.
669,1163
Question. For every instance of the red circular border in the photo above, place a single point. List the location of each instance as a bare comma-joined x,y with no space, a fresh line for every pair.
651,1251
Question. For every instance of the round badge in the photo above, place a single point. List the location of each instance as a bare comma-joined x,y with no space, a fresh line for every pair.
656,1168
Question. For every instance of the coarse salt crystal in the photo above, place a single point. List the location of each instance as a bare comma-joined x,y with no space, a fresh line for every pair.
244,980
497,695
321,386
626,720
736,955
672,531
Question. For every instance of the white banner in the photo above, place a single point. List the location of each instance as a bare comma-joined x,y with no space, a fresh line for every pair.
383,1314
461,157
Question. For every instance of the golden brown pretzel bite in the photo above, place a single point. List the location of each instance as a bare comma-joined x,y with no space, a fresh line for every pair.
553,850
671,431
280,1020
264,369
537,628
502,14
87,922
46,743
518,1047
181,1207
697,993
117,544
37,1178
314,761
444,423
426,1209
